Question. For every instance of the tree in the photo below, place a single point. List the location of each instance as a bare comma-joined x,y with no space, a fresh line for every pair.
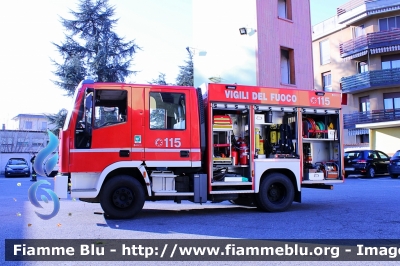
57,120
185,76
92,48
160,80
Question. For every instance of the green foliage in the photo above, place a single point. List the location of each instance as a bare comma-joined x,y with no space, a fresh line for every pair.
160,80
92,48
57,120
185,76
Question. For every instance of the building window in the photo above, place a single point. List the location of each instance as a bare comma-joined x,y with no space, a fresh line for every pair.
287,66
285,9
325,56
389,23
44,125
37,142
22,142
167,110
359,31
364,138
28,124
327,81
391,101
362,67
390,61
364,104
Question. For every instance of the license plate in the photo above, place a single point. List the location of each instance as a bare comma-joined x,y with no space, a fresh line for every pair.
349,169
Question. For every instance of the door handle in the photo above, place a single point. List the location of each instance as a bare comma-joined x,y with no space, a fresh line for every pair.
124,153
184,154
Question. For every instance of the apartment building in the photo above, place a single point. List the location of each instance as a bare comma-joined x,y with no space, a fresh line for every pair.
28,135
357,52
30,122
253,42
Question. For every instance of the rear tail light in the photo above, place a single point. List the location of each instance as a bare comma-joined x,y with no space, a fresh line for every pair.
361,161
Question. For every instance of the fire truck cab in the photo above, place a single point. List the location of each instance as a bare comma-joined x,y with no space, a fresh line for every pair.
123,144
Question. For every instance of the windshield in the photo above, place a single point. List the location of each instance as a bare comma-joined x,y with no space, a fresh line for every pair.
69,114
16,162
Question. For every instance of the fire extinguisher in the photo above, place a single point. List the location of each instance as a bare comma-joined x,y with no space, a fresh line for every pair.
243,152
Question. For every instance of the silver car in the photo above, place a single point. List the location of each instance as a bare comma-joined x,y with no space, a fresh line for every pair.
17,167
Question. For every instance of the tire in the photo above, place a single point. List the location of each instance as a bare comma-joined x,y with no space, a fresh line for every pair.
371,172
122,197
276,193
394,176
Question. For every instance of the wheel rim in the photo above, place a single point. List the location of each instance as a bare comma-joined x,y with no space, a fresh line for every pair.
276,192
372,172
122,197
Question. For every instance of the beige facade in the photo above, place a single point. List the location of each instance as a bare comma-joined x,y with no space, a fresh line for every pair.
363,60
31,122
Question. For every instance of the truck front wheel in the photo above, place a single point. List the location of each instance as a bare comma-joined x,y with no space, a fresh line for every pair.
122,197
276,193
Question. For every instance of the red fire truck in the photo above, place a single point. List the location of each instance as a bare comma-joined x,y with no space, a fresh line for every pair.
123,144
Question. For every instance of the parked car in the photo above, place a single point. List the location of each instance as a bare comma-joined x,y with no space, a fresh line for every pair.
365,162
394,165
17,167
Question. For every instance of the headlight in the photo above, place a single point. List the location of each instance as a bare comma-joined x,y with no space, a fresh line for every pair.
26,169
8,169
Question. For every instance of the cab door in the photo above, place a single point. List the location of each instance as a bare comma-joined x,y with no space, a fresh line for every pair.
107,123
167,127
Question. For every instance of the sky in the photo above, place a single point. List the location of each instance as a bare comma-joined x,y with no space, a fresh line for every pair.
163,30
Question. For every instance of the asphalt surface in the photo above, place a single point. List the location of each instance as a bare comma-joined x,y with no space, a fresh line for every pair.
360,208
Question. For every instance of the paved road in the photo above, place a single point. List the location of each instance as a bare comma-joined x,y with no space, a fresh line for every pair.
358,209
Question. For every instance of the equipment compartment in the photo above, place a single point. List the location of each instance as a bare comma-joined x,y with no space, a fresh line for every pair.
321,141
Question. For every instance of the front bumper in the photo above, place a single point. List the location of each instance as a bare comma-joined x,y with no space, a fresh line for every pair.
17,173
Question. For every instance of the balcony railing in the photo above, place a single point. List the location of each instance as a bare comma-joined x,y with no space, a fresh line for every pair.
371,41
375,116
349,6
370,80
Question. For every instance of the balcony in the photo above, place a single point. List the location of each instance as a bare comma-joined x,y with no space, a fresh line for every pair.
376,116
375,42
371,80
326,27
356,10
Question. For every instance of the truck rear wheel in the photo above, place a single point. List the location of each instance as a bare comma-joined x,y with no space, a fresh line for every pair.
276,193
122,197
